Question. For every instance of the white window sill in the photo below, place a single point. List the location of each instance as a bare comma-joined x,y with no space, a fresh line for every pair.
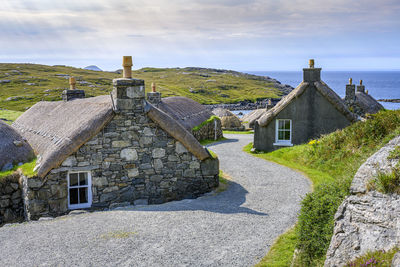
79,206
282,144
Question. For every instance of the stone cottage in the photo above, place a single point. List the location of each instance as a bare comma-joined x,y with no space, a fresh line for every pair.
111,150
229,120
359,101
310,110
195,117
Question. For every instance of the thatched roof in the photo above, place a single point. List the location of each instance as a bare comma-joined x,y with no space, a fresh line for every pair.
186,111
176,130
253,116
367,103
221,112
322,88
13,148
55,130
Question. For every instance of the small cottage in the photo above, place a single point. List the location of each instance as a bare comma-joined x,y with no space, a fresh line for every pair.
109,151
359,101
249,119
310,110
229,121
196,118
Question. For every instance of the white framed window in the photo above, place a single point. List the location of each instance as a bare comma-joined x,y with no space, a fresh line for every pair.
79,190
283,132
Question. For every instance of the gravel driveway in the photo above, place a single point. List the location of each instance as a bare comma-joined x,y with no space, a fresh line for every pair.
233,228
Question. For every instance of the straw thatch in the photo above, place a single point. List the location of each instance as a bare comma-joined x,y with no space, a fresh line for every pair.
253,116
57,129
13,148
229,121
322,88
186,111
176,130
367,103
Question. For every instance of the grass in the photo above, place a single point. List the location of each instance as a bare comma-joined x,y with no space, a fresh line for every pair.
281,251
375,258
27,169
9,115
211,119
117,235
32,83
238,132
387,183
330,163
223,182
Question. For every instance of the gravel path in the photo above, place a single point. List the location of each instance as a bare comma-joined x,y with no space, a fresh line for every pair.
233,228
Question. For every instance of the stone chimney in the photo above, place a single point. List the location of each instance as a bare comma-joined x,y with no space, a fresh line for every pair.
128,93
361,87
350,91
72,93
311,74
154,97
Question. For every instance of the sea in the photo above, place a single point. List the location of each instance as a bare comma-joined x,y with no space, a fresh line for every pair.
380,84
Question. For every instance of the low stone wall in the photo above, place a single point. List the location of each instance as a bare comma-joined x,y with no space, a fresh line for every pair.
211,131
366,220
11,204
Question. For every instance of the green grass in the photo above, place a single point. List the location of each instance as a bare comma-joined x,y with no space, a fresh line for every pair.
387,183
33,83
27,169
211,119
238,132
330,163
281,251
375,258
9,115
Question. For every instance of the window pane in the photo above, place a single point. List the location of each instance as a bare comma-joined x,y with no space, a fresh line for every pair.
280,124
287,124
83,178
73,179
73,196
83,195
280,135
287,135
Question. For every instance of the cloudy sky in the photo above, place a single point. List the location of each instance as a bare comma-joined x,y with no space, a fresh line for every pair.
232,34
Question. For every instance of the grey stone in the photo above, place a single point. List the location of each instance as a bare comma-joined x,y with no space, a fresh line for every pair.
133,172
396,260
180,149
35,183
189,173
129,154
156,178
108,197
77,212
15,186
118,144
145,140
4,203
158,153
158,165
99,181
210,167
119,205
110,189
194,165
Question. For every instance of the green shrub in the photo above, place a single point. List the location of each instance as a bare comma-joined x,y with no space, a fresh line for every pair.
375,258
316,219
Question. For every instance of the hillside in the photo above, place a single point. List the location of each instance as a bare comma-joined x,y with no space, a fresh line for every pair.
22,85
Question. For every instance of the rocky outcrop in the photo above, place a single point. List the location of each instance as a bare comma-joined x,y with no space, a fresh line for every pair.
366,220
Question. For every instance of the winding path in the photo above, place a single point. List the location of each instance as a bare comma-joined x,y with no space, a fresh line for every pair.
233,228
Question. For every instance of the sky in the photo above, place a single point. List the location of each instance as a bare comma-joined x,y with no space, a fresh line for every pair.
244,35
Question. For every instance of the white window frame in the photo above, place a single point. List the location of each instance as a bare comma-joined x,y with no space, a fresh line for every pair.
282,142
89,186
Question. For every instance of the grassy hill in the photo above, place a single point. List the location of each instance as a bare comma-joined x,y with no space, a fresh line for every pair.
22,85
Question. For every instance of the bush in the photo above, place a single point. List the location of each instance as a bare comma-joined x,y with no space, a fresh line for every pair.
316,219
387,183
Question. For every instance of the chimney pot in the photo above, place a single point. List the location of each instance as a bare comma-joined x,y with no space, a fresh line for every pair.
153,87
72,83
350,81
311,63
361,82
127,64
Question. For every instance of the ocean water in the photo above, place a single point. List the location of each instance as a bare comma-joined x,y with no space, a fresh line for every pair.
380,84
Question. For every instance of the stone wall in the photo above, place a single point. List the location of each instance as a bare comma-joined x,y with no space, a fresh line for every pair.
211,131
366,220
11,204
132,160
